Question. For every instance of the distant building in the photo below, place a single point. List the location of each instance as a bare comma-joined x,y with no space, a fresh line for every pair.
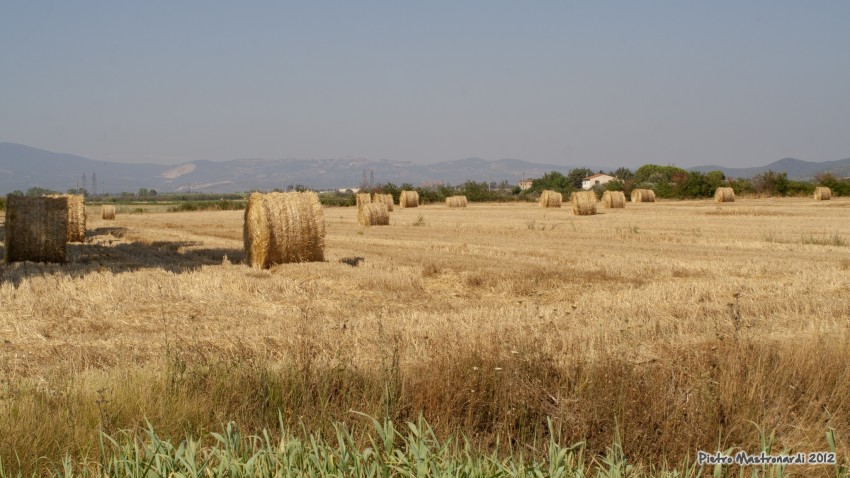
525,184
349,190
595,179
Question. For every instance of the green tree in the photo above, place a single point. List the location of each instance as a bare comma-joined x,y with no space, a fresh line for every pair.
554,181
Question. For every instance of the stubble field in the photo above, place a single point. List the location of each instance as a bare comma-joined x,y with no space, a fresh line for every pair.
676,326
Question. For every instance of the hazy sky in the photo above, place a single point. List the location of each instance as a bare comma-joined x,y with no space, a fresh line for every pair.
593,83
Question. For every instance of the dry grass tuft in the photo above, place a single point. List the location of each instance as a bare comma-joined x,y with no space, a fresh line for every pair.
373,214
408,199
281,228
36,228
551,199
823,193
614,199
107,213
724,195
384,198
643,195
583,202
456,201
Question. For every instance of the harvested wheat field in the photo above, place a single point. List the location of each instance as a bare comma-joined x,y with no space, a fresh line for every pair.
642,322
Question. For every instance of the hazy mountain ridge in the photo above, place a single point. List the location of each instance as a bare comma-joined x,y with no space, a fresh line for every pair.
796,169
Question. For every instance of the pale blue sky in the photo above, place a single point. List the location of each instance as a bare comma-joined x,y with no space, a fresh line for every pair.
593,83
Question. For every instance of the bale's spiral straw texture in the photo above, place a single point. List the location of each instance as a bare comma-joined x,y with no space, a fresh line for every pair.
76,216
551,199
643,195
456,201
724,195
384,198
363,198
107,213
373,214
583,202
408,199
36,228
823,193
614,199
283,227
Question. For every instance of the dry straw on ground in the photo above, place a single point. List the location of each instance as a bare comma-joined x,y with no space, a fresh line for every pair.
36,228
643,195
280,228
456,201
363,198
373,214
384,198
408,199
724,195
822,193
583,202
614,199
551,199
107,213
76,216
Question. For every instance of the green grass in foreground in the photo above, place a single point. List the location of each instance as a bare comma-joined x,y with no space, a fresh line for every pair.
391,452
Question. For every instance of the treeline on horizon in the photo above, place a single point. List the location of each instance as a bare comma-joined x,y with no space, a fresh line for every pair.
668,182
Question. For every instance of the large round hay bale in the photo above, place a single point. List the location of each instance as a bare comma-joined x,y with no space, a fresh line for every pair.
724,195
583,202
76,216
387,199
823,193
643,195
283,227
107,212
614,199
456,201
363,198
373,214
408,199
551,199
36,228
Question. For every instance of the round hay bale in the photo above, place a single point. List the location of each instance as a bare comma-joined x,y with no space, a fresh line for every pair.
614,199
384,198
408,199
107,213
281,228
363,198
724,195
36,229
583,202
456,201
373,214
823,193
643,195
76,216
551,199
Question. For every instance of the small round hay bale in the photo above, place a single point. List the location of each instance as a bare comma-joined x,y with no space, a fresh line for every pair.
551,199
281,228
408,199
373,214
36,229
583,202
456,201
107,212
823,193
384,198
724,195
614,199
363,198
643,195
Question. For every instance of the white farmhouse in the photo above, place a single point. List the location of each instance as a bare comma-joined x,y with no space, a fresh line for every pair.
595,179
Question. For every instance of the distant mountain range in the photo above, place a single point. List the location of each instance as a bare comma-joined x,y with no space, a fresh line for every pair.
23,167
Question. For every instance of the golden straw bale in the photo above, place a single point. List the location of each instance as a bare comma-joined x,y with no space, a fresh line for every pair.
384,198
107,212
76,216
583,202
823,193
373,214
551,199
456,201
363,198
36,229
614,199
281,228
408,199
643,195
724,195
